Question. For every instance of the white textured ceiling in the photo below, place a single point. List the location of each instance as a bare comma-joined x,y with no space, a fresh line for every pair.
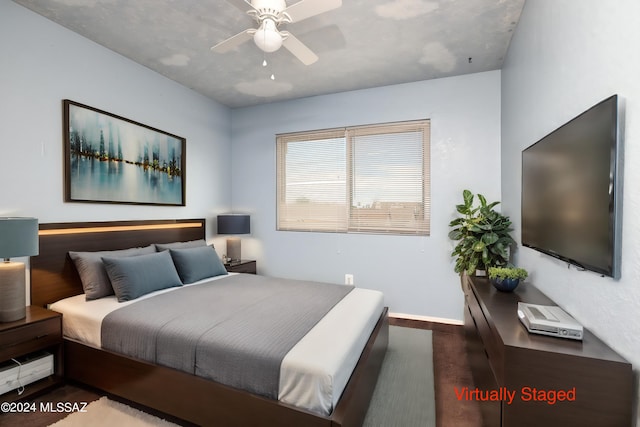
364,43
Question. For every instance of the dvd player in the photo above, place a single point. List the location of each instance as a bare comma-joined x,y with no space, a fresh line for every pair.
549,320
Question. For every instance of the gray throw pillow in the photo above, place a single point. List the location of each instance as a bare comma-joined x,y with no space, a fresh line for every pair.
198,263
133,277
180,245
95,280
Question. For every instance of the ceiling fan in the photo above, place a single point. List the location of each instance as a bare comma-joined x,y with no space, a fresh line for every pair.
270,14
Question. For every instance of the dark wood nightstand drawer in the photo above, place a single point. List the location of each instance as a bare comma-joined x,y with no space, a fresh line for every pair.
29,338
40,330
244,266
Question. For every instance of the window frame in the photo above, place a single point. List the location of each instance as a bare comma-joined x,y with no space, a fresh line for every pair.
422,222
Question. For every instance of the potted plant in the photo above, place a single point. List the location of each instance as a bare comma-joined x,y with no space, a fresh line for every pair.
506,279
482,234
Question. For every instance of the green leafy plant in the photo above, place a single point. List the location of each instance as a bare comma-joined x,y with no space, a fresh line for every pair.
507,273
482,234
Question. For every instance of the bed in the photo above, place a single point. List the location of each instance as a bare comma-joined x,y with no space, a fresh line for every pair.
198,400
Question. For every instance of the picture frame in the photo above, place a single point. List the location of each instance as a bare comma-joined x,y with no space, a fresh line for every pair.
112,159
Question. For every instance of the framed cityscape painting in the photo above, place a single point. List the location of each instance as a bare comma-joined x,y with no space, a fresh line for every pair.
111,159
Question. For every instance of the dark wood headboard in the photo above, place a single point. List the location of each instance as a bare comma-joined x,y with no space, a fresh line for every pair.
53,275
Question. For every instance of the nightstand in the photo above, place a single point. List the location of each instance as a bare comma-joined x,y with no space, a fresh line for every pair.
40,330
242,266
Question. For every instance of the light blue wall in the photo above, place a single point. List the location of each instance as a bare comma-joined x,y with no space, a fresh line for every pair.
44,63
566,56
415,273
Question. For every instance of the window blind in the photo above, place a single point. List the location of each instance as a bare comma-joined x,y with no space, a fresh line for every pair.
365,179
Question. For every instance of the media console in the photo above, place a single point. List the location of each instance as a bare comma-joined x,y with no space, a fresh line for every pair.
524,380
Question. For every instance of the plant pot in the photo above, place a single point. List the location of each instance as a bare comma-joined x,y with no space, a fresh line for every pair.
505,285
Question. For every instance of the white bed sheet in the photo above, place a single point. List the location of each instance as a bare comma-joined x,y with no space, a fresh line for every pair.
312,375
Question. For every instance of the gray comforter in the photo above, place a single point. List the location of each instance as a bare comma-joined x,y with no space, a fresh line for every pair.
234,330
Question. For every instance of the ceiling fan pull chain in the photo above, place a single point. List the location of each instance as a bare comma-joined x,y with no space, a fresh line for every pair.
265,63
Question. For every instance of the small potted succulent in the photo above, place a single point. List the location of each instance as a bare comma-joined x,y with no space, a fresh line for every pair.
506,279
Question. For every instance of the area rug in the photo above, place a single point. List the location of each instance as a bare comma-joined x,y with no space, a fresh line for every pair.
404,395
106,412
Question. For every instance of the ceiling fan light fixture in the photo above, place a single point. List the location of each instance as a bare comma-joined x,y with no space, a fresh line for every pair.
270,15
267,37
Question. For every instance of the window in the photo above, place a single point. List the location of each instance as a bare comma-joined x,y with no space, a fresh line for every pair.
365,179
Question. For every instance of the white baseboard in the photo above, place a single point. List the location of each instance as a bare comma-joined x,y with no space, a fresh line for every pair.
426,318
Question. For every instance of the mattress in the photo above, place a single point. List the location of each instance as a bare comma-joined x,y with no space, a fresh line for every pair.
314,372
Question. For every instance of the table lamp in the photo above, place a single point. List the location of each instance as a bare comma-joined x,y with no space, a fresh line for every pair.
18,238
233,224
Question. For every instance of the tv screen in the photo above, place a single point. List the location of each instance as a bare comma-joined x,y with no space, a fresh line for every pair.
572,191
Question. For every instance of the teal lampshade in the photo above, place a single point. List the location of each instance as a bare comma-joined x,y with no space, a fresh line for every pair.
18,237
234,224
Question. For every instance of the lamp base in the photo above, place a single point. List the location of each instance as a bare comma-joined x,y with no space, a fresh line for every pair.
12,291
233,248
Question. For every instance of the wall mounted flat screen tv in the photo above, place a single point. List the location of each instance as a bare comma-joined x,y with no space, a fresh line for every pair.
572,191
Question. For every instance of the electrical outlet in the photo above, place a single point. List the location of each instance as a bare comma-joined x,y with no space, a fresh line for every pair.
348,279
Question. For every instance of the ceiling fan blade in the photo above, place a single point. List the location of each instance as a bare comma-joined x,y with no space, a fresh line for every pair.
234,41
298,49
307,8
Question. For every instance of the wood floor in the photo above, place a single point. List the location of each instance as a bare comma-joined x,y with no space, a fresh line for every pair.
451,370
